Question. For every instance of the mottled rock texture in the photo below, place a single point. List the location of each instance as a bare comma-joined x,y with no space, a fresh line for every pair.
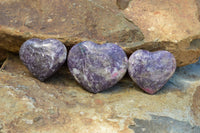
43,57
151,70
168,25
60,105
142,24
69,21
97,67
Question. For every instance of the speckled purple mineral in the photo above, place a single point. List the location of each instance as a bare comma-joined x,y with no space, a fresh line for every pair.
151,70
97,67
43,57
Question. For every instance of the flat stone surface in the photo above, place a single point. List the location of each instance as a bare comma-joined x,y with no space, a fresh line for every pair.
152,25
61,105
70,22
162,20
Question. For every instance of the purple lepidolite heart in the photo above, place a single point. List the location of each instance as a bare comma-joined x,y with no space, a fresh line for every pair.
43,57
151,70
97,67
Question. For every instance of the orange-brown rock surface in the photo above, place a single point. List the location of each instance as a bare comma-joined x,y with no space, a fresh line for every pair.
153,25
61,105
168,24
68,21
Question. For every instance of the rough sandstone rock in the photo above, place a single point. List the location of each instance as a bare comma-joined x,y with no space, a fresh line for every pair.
152,25
70,22
60,105
168,25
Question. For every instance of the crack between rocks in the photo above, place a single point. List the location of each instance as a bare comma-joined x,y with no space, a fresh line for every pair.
123,4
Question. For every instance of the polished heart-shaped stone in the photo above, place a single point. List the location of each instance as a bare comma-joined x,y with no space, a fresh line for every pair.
151,70
43,57
97,67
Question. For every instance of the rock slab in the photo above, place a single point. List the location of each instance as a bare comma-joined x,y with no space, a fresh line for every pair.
61,105
70,22
168,25
150,25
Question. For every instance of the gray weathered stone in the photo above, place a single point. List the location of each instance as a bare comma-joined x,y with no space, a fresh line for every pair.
160,124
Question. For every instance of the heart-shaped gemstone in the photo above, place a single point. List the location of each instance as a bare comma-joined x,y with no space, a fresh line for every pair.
43,57
97,67
151,70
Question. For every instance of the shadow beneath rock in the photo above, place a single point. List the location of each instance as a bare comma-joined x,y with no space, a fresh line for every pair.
180,81
126,84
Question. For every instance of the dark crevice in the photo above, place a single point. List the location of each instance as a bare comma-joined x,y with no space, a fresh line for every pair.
1,63
136,32
123,4
195,44
3,56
